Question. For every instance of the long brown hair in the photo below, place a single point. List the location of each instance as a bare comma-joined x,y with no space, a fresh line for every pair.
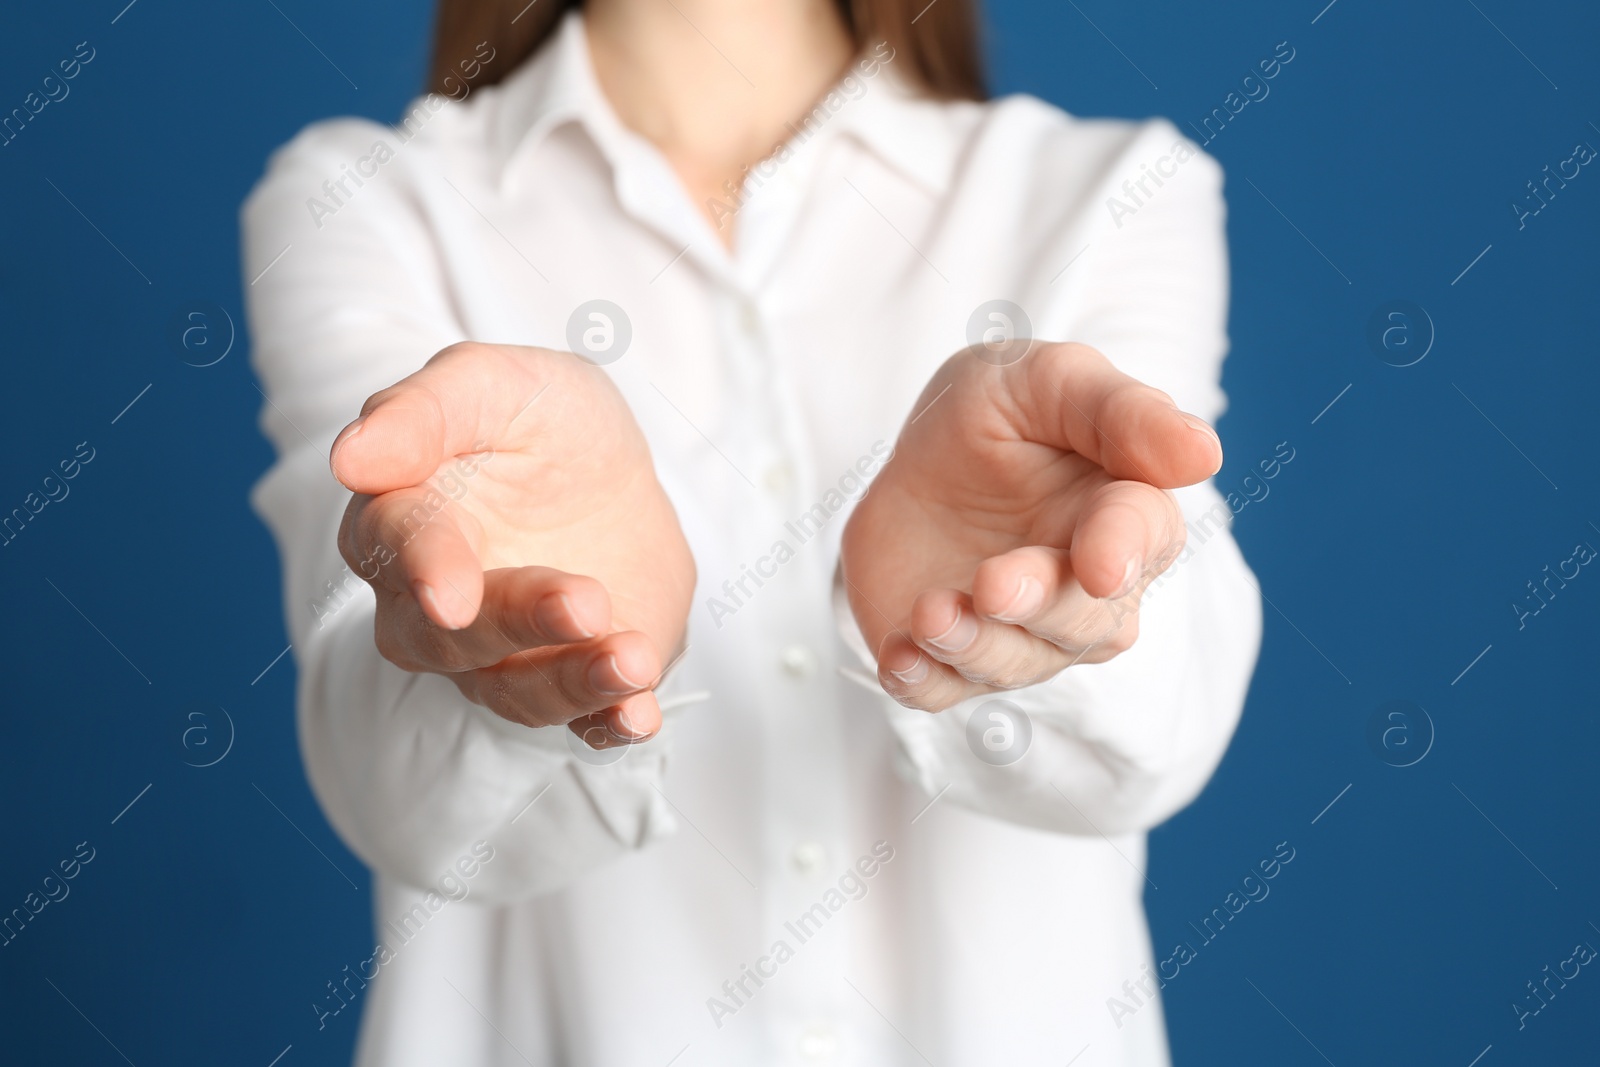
937,42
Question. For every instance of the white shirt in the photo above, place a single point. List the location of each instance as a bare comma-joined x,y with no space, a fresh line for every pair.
608,913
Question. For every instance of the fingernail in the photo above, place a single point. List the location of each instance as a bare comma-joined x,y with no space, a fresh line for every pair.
1028,599
915,673
1199,425
557,617
429,601
458,619
961,634
605,674
343,439
625,731
1130,577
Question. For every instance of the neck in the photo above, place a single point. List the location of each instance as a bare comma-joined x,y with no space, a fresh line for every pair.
714,83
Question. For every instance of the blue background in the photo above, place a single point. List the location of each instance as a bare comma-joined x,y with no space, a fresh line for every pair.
1392,547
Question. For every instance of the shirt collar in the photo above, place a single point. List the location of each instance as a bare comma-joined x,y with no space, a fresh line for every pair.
904,129
556,86
872,104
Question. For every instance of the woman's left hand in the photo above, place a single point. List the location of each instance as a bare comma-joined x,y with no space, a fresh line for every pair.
1019,521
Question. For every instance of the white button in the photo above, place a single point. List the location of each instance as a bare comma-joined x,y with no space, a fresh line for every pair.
818,1043
749,319
808,856
778,477
799,661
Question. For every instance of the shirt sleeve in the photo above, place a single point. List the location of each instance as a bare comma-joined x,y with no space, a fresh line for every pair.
347,298
1118,747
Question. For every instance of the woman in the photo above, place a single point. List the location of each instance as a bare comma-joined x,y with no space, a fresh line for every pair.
790,819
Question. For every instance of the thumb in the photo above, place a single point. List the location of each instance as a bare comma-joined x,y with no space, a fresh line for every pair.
1071,397
398,441
463,400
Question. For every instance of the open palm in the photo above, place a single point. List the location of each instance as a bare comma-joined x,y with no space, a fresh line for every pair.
1022,514
510,521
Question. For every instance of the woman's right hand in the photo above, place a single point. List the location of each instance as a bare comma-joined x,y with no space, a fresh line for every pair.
509,520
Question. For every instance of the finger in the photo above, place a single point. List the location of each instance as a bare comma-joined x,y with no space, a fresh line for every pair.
529,607
523,608
1016,586
405,543
945,625
463,400
1125,529
1071,397
916,679
635,719
1034,588
552,686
